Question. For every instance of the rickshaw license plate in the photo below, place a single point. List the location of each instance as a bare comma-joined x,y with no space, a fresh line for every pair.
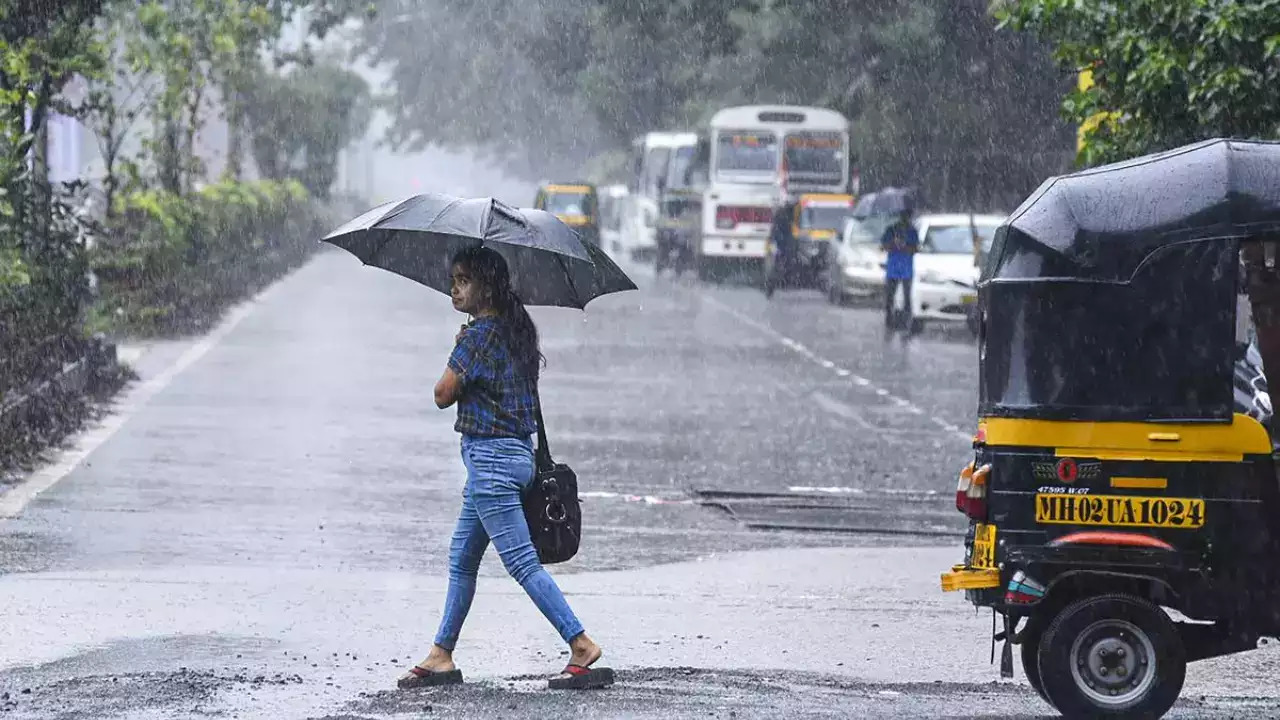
1120,511
984,546
968,299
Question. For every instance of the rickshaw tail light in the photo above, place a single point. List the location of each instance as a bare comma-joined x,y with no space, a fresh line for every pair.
971,494
975,504
962,487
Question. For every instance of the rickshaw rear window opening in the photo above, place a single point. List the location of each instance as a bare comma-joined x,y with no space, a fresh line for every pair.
824,217
1160,346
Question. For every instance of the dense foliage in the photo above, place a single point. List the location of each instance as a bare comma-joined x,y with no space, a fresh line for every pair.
146,78
938,95
1164,72
175,260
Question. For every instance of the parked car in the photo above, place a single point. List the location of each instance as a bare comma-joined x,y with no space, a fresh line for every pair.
946,267
857,263
946,280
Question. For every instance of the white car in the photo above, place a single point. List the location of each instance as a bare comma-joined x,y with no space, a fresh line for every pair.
946,267
857,262
946,271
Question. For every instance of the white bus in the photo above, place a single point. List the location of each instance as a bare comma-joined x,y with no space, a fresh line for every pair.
760,156
651,159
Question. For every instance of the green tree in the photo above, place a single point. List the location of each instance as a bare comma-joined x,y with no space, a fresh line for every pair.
193,47
114,102
301,120
460,76
646,61
937,96
42,46
1165,72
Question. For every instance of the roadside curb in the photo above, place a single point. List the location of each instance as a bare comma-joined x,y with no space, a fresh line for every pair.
39,416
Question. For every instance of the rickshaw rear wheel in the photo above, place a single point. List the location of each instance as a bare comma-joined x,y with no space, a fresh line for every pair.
1112,656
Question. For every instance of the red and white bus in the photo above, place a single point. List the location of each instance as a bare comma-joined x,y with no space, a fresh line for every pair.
759,157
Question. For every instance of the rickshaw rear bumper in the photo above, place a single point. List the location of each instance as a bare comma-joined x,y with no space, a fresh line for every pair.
967,578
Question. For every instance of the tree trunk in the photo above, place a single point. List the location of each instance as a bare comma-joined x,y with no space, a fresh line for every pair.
235,136
168,160
194,165
42,193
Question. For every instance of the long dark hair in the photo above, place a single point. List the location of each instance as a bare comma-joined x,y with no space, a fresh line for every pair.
489,269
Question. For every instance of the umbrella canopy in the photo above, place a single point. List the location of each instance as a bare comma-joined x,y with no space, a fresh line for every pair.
1103,222
889,201
418,237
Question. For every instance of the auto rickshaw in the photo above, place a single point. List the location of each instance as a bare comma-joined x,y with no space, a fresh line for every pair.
816,220
577,206
1123,500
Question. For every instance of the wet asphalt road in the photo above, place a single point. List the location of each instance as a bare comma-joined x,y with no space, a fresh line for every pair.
259,531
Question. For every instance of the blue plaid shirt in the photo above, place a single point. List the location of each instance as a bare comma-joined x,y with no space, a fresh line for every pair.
497,400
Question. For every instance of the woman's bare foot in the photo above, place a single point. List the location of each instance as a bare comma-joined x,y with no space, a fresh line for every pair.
438,660
580,675
585,651
436,669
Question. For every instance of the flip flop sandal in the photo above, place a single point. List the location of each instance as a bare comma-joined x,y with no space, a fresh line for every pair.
582,678
421,677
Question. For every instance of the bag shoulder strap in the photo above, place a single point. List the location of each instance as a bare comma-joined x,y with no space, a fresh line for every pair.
542,454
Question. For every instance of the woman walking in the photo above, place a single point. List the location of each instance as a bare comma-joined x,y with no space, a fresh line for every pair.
492,376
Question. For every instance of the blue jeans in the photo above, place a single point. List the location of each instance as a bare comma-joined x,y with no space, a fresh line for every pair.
497,470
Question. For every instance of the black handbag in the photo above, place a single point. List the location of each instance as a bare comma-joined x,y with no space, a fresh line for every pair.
551,504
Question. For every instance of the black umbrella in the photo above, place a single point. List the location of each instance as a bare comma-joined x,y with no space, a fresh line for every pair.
889,201
550,264
1103,222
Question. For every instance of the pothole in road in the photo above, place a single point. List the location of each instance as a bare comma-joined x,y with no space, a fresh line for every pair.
850,511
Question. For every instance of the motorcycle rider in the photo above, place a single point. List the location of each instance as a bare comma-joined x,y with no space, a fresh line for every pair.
784,245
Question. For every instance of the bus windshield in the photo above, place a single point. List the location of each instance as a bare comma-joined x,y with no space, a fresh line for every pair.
678,167
816,157
655,168
753,153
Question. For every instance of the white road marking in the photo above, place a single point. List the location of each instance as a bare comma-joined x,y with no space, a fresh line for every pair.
16,499
845,490
839,371
841,409
646,499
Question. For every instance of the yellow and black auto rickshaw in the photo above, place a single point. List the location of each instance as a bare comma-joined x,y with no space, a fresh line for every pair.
816,220
1124,458
577,206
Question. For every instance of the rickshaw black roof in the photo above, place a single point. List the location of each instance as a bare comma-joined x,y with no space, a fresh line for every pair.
1101,224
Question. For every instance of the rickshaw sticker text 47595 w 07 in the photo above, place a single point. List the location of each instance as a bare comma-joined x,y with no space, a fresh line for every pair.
1119,511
